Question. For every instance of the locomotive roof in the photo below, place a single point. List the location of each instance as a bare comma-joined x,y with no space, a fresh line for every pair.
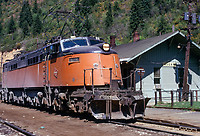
49,44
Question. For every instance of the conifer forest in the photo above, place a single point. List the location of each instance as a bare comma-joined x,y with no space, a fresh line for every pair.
29,23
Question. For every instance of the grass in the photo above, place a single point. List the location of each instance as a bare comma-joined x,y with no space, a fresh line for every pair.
196,105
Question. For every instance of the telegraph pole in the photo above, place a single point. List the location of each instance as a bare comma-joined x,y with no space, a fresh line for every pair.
191,18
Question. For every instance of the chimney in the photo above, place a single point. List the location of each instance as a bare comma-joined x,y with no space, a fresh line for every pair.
112,41
136,37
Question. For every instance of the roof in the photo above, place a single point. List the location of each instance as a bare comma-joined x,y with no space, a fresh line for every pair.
130,51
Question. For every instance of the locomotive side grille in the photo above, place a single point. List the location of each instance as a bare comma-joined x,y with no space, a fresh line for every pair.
44,73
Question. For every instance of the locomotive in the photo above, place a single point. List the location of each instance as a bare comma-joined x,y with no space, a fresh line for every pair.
79,74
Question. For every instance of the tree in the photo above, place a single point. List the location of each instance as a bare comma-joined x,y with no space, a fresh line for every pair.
116,9
134,20
86,27
25,15
83,8
162,26
35,8
0,10
37,25
25,28
77,7
109,17
1,28
139,11
11,26
78,27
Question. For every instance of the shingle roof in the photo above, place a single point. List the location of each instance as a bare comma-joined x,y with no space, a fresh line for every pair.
132,50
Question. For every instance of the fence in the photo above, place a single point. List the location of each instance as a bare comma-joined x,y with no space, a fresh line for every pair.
172,96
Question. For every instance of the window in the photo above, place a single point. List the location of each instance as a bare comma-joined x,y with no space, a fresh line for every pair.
72,43
36,59
22,58
156,75
54,48
41,57
33,60
30,61
14,66
93,42
180,77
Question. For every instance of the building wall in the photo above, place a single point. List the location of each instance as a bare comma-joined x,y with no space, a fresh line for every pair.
169,59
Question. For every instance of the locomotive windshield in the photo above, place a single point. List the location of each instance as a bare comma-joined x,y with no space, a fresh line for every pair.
93,42
72,43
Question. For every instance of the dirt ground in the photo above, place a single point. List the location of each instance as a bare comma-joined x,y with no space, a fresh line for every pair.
45,124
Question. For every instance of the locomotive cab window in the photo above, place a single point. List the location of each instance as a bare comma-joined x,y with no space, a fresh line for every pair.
74,43
54,48
94,42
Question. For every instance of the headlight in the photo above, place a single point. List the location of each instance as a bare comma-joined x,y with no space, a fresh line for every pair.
106,47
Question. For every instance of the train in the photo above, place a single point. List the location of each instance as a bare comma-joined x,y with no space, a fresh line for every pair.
79,74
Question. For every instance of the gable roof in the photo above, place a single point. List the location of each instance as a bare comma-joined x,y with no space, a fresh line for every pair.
130,51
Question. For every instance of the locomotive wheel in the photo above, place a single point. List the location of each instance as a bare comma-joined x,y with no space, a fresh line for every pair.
21,100
1,95
11,97
44,104
35,102
55,104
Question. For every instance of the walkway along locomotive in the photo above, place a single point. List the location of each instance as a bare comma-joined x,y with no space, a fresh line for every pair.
80,74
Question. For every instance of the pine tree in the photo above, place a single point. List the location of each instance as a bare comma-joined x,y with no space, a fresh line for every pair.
83,8
77,6
86,7
1,28
87,27
35,8
25,15
78,27
11,26
37,25
134,19
109,17
25,28
0,10
162,26
139,11
116,9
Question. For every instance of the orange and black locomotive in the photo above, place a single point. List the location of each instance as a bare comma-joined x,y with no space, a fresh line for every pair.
81,74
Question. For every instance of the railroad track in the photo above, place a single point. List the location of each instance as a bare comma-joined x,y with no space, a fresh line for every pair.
16,128
183,126
158,122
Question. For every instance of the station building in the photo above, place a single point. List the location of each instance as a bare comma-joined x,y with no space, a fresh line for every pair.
163,59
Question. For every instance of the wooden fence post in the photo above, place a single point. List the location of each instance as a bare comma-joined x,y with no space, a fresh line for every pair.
156,98
191,98
196,95
172,99
179,95
160,96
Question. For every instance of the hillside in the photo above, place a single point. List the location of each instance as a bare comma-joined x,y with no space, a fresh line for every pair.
95,17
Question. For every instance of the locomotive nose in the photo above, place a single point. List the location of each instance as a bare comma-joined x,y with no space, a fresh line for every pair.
112,107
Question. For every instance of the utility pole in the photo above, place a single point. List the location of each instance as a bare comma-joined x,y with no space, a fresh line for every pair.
191,18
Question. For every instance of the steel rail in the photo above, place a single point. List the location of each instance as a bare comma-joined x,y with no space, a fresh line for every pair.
170,124
16,128
146,128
